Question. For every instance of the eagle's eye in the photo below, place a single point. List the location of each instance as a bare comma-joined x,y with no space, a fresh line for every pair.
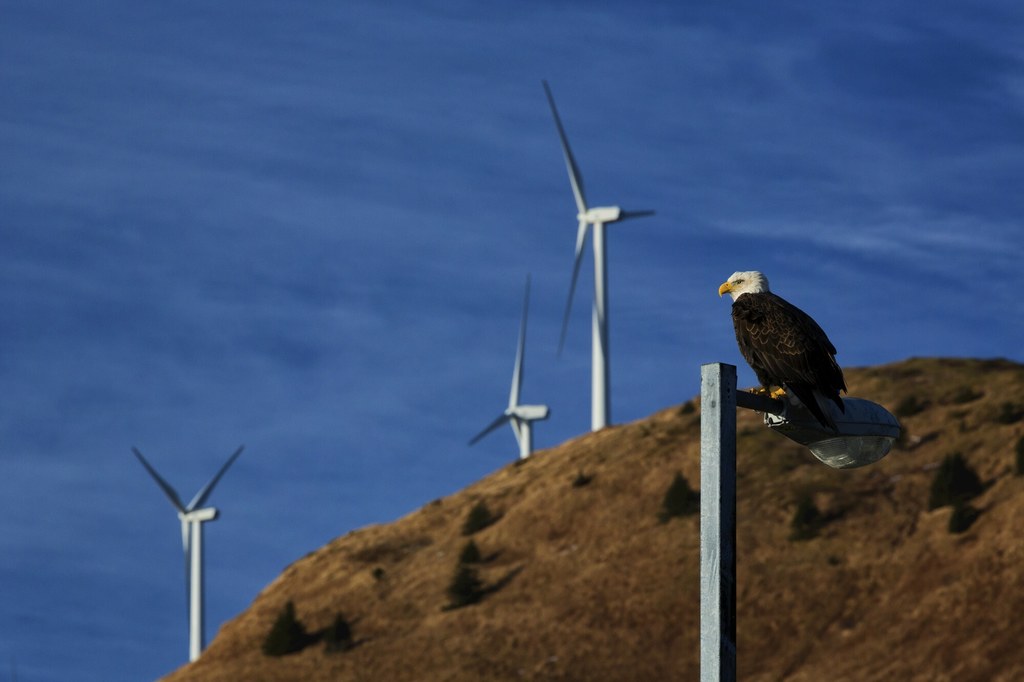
739,281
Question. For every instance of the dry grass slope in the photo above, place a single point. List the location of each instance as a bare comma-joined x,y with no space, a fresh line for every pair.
585,583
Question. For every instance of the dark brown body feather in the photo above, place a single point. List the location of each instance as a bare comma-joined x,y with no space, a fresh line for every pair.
786,348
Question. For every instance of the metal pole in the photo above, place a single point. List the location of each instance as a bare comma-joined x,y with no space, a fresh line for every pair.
526,441
195,625
718,523
600,400
196,613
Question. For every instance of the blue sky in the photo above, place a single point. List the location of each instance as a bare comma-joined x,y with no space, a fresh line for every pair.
305,227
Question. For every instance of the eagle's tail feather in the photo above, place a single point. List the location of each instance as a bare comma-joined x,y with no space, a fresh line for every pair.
807,396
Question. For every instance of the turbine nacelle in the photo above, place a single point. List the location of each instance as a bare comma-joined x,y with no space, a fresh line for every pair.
530,413
601,214
199,515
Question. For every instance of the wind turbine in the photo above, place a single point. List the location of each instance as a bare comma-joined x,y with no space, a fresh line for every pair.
192,517
591,217
521,417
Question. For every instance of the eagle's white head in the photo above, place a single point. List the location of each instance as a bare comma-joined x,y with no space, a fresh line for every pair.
739,283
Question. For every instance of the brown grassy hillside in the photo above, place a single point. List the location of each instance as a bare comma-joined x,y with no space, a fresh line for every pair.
585,583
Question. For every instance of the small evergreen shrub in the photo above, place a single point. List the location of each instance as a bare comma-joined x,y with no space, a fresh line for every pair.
338,635
379,573
965,394
1019,468
287,635
470,554
465,588
909,406
807,519
955,482
581,480
962,518
1009,413
680,500
479,518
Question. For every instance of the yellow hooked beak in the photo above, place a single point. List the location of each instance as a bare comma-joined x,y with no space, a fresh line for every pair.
725,288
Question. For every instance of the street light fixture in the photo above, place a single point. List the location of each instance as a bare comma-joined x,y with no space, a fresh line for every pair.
866,432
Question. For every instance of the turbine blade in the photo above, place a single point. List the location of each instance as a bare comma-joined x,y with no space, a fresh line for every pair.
581,241
186,541
205,491
517,373
164,485
626,215
575,178
184,536
517,428
493,425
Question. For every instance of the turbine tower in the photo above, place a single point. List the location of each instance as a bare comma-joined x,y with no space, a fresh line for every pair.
591,217
521,417
192,517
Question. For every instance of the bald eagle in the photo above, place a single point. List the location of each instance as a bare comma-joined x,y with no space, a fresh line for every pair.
783,345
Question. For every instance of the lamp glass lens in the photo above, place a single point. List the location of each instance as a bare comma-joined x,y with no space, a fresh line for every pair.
848,452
